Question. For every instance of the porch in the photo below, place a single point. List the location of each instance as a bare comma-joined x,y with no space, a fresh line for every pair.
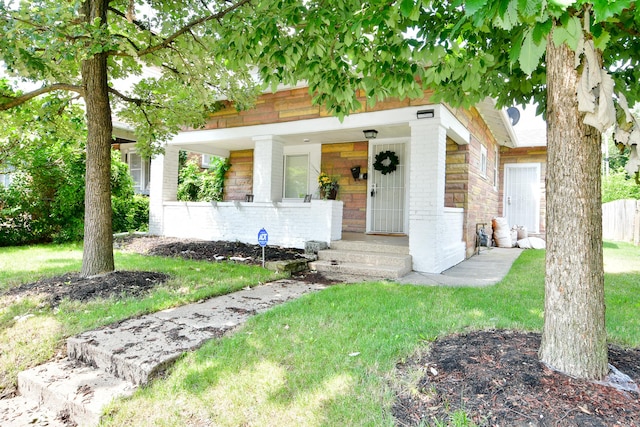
415,192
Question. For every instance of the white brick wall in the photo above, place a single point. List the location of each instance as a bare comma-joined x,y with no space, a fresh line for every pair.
289,224
268,169
435,233
164,179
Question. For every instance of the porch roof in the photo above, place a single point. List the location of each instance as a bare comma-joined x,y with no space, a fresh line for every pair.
389,124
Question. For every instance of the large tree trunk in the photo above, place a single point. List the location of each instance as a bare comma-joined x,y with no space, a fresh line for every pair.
98,233
574,335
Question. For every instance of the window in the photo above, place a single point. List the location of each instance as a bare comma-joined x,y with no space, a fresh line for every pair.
296,176
6,177
496,164
483,160
206,161
139,170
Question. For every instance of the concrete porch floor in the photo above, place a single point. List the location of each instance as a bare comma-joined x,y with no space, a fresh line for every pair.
383,239
484,269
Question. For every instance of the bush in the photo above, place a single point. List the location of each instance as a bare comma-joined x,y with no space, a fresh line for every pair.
196,185
618,185
45,202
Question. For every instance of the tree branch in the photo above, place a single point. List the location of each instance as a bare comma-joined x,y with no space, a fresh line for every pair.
167,41
14,101
141,25
137,101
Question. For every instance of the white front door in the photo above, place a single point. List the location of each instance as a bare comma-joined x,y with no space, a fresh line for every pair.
522,195
387,192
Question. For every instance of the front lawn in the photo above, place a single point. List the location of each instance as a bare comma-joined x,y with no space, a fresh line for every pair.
325,359
31,332
328,358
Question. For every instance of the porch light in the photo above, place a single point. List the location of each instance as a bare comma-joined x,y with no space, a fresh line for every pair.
425,114
370,133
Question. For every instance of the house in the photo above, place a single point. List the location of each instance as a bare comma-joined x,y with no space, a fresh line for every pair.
455,169
124,140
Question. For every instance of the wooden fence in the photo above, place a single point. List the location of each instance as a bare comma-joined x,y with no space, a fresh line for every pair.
621,221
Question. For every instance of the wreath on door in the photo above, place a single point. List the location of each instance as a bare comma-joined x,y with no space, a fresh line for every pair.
386,162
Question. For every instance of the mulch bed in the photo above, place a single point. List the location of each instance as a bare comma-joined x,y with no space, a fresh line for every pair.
53,290
496,379
206,250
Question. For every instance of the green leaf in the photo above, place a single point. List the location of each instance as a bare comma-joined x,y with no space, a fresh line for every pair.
406,7
531,53
569,34
473,6
605,9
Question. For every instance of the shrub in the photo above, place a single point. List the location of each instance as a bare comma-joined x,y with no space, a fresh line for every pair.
618,185
196,185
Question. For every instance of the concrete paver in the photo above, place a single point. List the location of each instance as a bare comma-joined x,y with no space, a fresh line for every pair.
487,268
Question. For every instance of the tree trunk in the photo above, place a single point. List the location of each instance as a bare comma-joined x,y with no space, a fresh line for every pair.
574,335
98,233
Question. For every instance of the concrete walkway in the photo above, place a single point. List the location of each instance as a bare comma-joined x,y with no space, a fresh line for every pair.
113,361
487,268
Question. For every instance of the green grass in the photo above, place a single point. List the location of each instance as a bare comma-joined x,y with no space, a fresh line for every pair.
31,333
324,359
329,358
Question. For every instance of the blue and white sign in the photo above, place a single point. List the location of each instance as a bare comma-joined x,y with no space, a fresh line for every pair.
263,237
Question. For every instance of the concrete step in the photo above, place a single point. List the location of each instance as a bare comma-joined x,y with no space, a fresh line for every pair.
368,258
136,350
111,362
19,412
366,246
346,268
139,349
70,390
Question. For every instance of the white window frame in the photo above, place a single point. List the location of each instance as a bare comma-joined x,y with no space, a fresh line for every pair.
483,161
496,168
304,157
6,177
314,153
145,171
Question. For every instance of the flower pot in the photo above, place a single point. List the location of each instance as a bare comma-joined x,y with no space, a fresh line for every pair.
330,195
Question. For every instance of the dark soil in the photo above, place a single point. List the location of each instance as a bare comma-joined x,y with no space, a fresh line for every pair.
496,379
206,250
53,290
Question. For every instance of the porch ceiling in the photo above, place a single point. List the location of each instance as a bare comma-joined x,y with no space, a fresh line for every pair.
326,130
297,137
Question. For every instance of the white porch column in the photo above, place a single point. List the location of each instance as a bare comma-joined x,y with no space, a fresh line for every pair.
267,169
426,201
163,186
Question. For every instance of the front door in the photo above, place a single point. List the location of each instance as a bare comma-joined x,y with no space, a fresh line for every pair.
522,195
387,198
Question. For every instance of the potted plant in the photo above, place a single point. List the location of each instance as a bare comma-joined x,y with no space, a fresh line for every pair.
328,186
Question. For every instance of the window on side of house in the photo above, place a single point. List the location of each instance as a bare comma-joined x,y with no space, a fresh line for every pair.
206,161
139,169
6,176
483,160
496,168
296,176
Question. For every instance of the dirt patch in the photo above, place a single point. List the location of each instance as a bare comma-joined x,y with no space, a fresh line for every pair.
496,379
205,250
53,290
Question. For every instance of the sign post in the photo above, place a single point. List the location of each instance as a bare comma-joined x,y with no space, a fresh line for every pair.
263,239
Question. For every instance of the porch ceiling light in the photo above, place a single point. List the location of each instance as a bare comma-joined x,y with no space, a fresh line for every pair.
425,114
370,133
